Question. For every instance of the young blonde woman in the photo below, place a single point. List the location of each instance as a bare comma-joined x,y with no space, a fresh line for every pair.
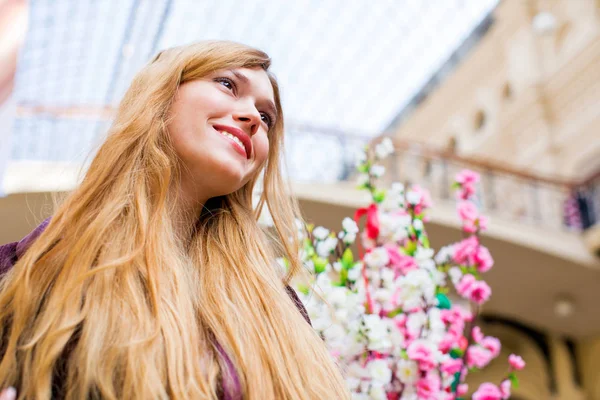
153,280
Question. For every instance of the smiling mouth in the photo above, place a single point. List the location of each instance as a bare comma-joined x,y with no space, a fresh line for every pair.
240,146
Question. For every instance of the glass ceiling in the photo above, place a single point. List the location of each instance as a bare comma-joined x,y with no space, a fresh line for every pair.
347,68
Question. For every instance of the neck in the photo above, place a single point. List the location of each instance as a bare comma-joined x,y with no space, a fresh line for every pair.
187,210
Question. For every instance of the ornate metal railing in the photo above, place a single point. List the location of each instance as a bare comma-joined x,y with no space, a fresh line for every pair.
502,193
328,156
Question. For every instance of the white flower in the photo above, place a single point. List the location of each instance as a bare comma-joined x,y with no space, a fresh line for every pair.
407,371
349,238
363,179
349,225
377,392
393,225
380,371
377,258
337,296
335,334
414,286
413,197
394,198
388,277
409,393
300,229
436,324
325,247
377,171
354,273
320,233
384,148
377,333
356,370
352,383
455,275
444,254
415,322
418,224
423,254
361,158
397,188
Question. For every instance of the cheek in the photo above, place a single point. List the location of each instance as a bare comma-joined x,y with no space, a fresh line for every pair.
261,148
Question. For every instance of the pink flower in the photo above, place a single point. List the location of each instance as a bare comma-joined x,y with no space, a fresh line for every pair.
402,263
505,387
492,344
451,366
465,250
476,334
422,352
428,387
481,292
487,391
483,223
465,286
467,211
467,181
483,259
462,389
478,356
467,176
466,191
425,199
449,341
516,362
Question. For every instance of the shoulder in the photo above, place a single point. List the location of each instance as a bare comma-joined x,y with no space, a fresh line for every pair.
292,293
11,252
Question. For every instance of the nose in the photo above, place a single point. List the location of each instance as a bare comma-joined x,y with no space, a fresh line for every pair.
249,119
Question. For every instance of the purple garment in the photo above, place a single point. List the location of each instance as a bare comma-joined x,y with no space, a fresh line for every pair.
11,252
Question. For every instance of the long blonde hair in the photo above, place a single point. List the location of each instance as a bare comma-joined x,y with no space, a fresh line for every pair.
137,313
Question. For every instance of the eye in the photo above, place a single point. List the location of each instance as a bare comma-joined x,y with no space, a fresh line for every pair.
267,118
228,83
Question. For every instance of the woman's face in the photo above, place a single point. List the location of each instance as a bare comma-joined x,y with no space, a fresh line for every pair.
219,127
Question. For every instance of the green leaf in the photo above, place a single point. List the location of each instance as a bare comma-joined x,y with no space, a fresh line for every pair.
410,247
443,301
395,312
425,241
320,264
343,277
455,382
303,289
456,353
347,259
379,196
514,380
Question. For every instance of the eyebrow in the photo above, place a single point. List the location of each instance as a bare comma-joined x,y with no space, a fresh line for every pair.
244,79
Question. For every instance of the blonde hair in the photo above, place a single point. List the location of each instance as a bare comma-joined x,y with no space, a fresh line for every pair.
137,314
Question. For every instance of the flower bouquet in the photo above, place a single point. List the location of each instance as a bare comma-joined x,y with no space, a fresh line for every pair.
380,296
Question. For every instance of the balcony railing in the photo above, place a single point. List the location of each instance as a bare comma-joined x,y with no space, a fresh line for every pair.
504,192
501,193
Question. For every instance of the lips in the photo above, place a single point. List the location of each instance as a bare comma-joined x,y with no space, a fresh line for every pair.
238,133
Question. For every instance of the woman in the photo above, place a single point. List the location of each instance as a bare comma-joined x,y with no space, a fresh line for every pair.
153,280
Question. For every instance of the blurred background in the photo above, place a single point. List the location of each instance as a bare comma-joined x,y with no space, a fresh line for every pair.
508,88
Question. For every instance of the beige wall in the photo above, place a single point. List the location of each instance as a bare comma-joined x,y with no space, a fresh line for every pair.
539,93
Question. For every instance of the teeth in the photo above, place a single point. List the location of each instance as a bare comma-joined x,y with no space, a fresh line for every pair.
235,139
